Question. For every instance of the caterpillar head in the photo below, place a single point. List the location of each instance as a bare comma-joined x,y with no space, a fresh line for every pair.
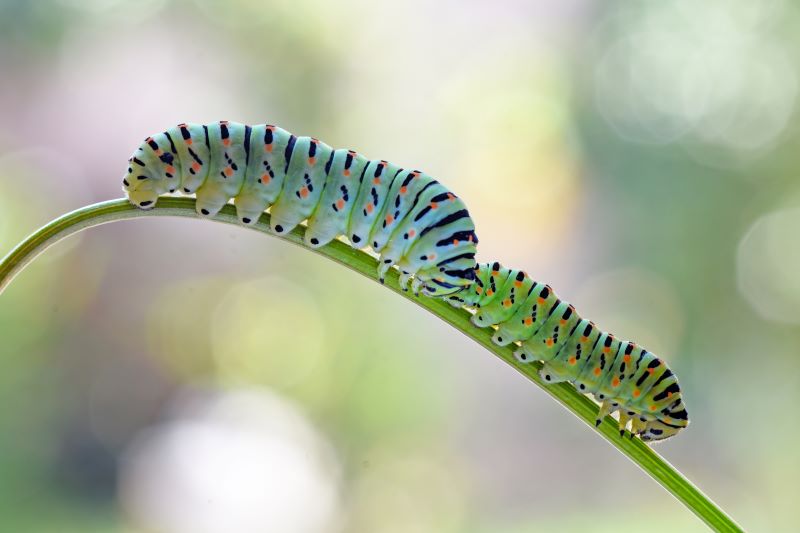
140,184
142,198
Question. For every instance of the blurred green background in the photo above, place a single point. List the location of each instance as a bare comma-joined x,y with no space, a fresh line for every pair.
182,376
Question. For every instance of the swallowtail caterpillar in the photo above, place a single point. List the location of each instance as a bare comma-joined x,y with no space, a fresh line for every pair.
416,224
621,375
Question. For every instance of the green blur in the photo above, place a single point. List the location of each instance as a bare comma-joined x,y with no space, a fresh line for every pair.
640,159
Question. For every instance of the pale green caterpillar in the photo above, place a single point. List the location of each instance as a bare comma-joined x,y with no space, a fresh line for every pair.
412,220
416,224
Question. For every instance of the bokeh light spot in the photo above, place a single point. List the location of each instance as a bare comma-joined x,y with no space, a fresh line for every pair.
268,331
724,85
244,461
767,266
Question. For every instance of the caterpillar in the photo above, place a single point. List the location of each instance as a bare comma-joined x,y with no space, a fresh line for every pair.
621,375
406,216
417,225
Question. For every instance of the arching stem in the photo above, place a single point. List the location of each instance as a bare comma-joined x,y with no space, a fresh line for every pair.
580,406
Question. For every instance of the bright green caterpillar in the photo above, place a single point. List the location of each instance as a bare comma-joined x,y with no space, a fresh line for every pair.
416,224
621,375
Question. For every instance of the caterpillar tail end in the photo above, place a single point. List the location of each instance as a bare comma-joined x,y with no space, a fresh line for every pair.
656,430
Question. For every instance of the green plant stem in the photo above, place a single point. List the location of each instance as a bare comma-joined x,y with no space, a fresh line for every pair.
366,265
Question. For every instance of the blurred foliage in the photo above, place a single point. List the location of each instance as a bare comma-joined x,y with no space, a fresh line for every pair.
640,157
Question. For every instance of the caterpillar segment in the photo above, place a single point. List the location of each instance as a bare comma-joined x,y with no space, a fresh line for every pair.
621,375
411,220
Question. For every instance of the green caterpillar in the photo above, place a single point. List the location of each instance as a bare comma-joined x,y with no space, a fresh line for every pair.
621,375
412,220
420,227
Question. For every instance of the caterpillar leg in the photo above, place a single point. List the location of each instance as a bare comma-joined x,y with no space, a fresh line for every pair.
281,226
501,339
249,209
551,374
248,218
606,408
384,265
405,278
479,319
637,426
314,239
210,200
416,285
624,419
524,355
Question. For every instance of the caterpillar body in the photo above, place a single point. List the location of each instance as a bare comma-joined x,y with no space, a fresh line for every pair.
406,216
416,224
621,375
